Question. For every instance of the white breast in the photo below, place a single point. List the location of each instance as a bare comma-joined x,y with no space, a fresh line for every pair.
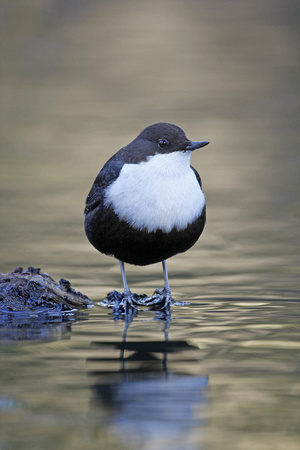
160,193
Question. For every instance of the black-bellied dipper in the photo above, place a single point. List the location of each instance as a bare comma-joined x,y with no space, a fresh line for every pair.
146,204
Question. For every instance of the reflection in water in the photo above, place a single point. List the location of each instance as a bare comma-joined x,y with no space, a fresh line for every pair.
148,390
148,404
23,326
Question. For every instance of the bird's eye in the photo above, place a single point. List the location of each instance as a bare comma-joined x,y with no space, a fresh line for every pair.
162,143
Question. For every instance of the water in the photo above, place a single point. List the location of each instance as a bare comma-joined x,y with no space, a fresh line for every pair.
78,81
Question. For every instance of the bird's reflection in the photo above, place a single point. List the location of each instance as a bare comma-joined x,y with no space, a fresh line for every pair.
142,397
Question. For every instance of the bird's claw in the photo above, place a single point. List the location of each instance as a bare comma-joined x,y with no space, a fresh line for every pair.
165,296
126,306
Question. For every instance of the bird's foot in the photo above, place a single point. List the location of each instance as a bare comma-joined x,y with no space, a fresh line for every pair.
166,299
126,306
127,303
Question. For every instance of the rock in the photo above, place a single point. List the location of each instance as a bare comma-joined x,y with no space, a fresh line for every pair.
32,291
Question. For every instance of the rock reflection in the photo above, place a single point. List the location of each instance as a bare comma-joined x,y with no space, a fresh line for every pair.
22,326
150,405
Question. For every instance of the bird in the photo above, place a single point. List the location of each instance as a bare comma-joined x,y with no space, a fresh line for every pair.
147,204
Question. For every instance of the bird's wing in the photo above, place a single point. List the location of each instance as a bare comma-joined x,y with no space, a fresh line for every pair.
197,176
104,178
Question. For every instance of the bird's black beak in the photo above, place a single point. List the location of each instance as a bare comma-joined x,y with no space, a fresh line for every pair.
193,145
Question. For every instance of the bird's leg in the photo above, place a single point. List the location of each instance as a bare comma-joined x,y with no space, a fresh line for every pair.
127,302
166,290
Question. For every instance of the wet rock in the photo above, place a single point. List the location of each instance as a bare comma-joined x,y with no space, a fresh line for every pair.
32,291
